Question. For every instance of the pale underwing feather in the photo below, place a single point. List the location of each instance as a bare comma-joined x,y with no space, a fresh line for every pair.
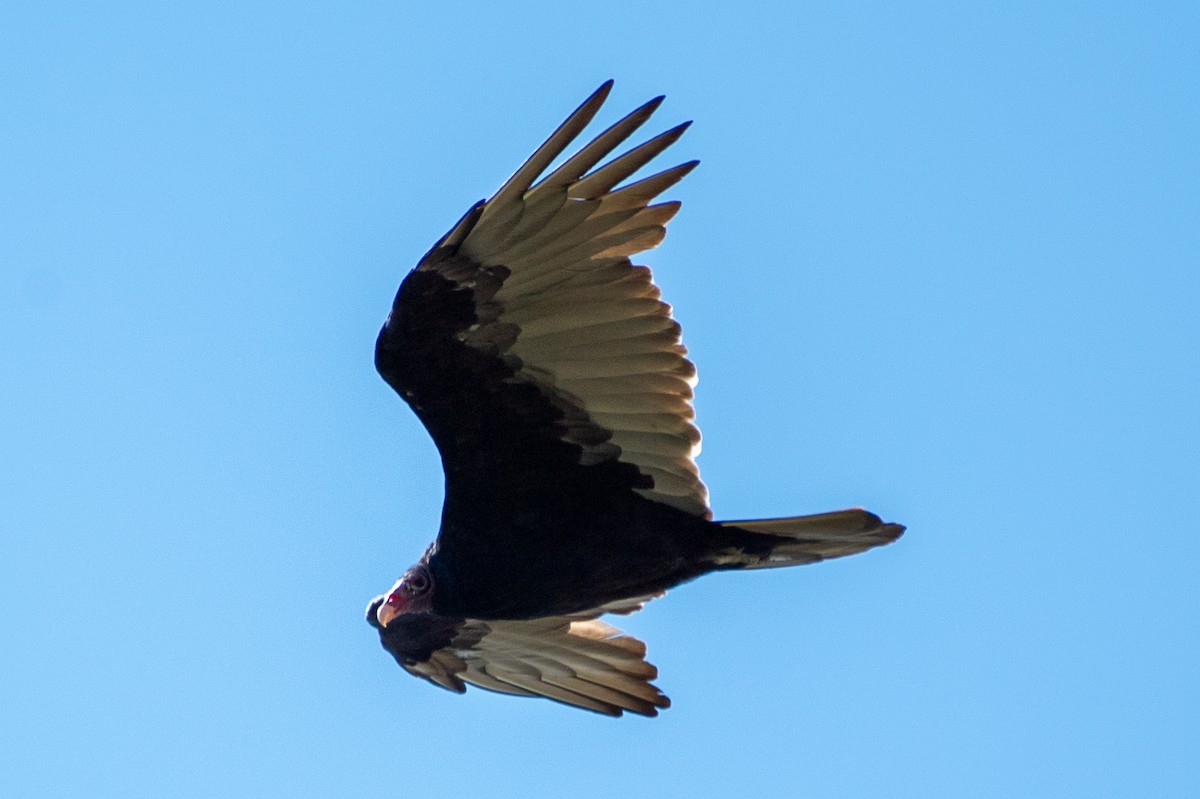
646,189
579,233
476,676
606,177
616,298
587,315
502,210
647,422
595,150
592,272
578,660
589,388
660,403
602,693
647,344
629,327
662,444
585,325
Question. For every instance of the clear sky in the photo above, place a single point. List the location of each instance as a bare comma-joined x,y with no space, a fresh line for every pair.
938,260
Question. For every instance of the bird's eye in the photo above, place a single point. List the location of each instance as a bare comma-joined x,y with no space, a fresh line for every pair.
417,583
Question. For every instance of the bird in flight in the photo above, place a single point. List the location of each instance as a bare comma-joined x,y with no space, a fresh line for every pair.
555,384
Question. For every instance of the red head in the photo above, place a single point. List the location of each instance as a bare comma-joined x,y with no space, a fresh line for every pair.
412,593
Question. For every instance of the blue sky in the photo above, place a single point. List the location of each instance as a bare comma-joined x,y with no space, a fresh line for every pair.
940,261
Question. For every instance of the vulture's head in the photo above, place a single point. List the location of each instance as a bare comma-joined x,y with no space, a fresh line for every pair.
412,593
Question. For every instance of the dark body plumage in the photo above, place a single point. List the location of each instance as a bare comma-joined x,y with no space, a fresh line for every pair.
555,386
526,531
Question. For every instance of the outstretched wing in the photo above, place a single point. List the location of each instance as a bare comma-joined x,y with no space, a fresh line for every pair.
576,660
527,342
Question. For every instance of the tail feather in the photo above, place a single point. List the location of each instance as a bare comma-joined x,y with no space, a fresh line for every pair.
808,539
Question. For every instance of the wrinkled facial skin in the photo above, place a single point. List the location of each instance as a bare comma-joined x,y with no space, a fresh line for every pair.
411,594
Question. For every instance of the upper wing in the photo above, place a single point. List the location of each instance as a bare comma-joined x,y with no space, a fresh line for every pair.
578,660
526,341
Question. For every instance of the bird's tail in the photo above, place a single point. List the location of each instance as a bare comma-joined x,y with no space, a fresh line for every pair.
766,543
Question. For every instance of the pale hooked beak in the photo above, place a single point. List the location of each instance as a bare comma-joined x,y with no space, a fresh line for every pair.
385,613
392,606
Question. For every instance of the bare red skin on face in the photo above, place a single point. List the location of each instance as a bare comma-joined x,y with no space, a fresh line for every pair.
396,601
395,605
411,594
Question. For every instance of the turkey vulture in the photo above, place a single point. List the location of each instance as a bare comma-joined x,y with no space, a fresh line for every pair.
554,383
